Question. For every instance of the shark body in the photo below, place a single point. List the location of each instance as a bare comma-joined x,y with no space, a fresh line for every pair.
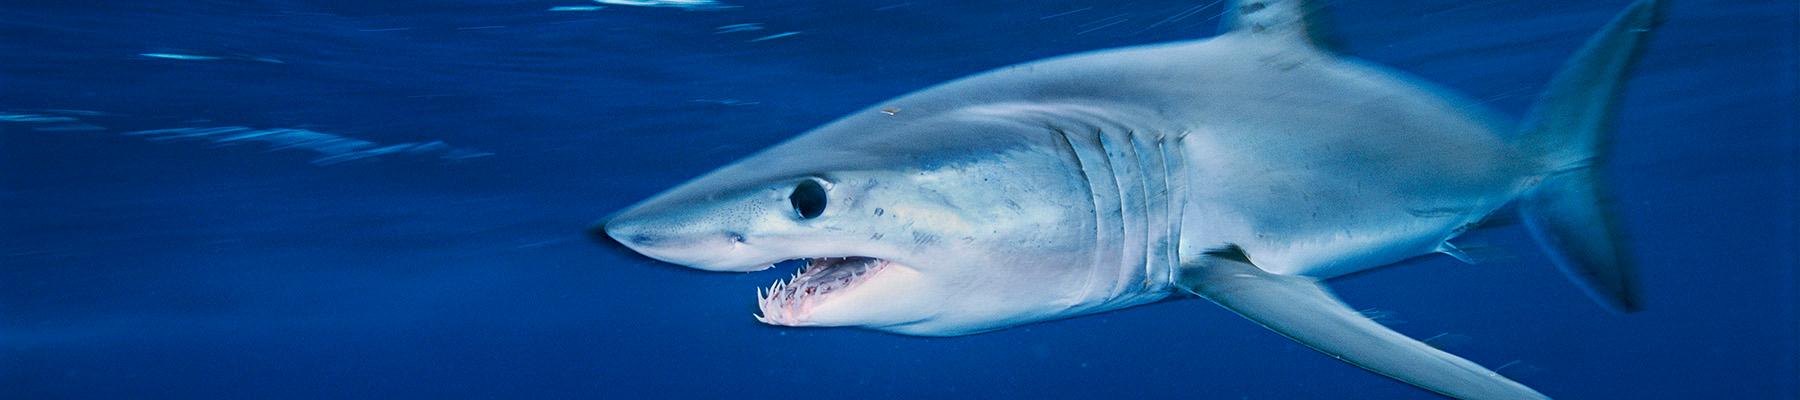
1245,169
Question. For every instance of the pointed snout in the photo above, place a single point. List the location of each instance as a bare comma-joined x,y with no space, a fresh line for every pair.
605,237
597,232
674,240
626,234
628,237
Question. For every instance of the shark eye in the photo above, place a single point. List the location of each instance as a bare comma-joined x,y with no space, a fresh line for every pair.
808,199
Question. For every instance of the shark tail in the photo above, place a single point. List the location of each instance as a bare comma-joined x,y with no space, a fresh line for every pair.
1568,131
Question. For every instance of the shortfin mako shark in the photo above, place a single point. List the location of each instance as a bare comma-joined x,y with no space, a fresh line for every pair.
1245,168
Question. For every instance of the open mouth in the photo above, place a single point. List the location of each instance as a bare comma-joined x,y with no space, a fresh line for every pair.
788,302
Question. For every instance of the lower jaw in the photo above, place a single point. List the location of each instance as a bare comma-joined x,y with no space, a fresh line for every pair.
791,302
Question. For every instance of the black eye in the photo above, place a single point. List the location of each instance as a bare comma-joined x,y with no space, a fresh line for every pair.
808,199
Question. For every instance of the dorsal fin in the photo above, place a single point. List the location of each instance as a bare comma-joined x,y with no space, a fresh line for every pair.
1303,21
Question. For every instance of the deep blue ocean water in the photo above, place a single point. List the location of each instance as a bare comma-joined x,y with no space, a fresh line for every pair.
353,199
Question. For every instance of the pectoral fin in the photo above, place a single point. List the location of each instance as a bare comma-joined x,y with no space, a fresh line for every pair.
1304,310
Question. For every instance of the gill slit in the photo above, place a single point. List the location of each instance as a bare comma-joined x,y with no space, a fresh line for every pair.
1175,180
1134,225
1153,171
1081,167
1149,208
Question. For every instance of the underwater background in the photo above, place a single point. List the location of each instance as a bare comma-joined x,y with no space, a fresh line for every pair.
385,199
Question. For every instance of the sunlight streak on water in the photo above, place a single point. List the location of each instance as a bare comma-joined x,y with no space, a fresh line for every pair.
331,149
682,4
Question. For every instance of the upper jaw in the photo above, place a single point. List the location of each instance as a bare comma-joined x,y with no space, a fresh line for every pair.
735,259
765,263
738,262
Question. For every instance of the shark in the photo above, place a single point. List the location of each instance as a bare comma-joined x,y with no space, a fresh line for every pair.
1247,169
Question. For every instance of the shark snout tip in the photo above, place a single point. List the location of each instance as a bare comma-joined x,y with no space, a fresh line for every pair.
607,232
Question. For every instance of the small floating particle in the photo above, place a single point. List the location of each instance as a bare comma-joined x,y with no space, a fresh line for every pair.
1103,23
460,154
173,56
1064,13
774,36
734,28
69,128
683,4
84,113
727,102
33,118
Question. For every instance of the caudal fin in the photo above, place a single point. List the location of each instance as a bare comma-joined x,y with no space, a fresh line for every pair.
1568,130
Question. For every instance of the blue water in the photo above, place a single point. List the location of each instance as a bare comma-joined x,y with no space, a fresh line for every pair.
306,199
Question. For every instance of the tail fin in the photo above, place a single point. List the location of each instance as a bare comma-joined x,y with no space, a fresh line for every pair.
1568,130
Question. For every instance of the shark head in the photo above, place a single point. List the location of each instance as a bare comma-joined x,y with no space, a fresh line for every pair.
938,226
